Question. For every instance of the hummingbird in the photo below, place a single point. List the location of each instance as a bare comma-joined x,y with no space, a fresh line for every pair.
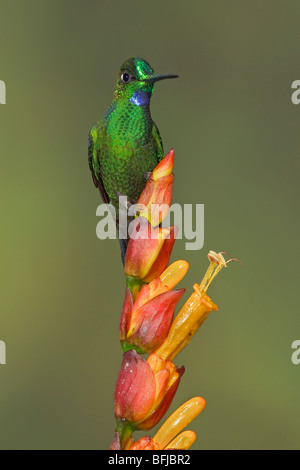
125,145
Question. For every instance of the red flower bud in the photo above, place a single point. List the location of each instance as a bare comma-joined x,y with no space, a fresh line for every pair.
148,253
150,323
145,389
157,194
145,324
144,443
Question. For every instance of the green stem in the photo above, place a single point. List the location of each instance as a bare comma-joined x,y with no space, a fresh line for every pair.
128,347
134,285
125,430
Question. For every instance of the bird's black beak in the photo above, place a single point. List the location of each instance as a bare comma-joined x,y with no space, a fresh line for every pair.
156,78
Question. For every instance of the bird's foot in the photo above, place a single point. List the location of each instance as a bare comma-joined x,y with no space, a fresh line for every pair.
123,200
147,175
125,203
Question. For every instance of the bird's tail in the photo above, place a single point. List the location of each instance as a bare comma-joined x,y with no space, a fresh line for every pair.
123,246
123,240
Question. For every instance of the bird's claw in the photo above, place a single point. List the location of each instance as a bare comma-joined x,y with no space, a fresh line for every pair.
124,200
147,175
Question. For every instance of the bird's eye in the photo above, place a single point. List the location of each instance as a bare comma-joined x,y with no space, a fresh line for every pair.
125,77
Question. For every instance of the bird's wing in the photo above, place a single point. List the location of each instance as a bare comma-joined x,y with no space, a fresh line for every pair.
158,142
94,162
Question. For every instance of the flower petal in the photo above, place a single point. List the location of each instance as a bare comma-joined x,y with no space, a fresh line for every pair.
135,389
182,442
165,167
178,421
143,251
126,314
163,407
150,324
160,263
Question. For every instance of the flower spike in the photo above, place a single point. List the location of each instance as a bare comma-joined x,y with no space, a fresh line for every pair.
146,386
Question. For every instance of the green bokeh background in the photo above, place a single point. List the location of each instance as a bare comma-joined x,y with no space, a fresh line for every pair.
236,134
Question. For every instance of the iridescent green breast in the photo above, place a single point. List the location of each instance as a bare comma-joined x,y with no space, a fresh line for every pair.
128,146
127,123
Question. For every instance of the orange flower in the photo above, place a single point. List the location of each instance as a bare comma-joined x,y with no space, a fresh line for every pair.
144,392
145,387
145,323
149,248
149,324
149,252
167,377
157,195
169,436
144,443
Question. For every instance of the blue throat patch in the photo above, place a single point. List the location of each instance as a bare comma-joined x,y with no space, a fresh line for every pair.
141,98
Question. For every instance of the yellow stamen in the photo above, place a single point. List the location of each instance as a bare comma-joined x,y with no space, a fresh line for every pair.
178,421
183,441
217,262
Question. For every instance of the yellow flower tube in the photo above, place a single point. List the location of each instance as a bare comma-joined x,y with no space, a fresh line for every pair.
174,273
193,313
183,441
178,421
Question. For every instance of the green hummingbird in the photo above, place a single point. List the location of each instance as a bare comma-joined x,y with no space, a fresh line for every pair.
125,145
